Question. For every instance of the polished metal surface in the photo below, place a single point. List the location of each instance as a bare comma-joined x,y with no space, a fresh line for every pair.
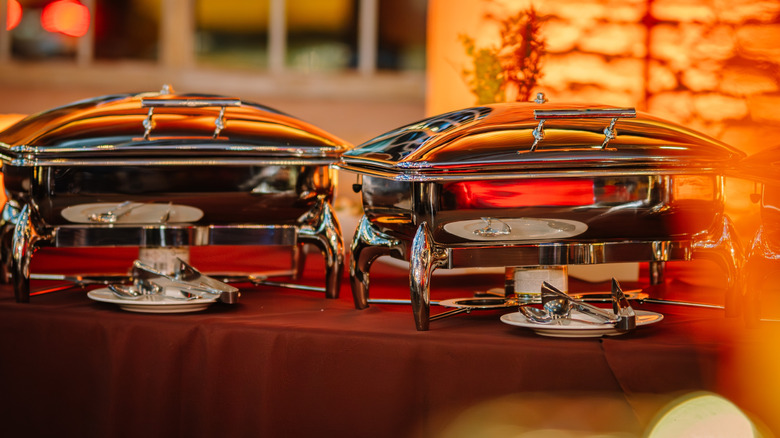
530,184
109,127
253,175
201,102
369,244
426,258
485,141
603,208
425,255
186,278
321,228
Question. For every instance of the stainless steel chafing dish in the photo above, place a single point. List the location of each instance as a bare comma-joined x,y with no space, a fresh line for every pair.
167,170
533,184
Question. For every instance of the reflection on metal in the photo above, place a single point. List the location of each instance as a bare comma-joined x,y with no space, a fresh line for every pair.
368,244
270,185
148,123
424,259
495,144
609,133
321,229
24,241
489,231
645,202
219,123
538,134
148,280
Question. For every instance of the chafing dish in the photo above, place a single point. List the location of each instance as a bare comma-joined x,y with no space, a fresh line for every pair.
167,170
530,184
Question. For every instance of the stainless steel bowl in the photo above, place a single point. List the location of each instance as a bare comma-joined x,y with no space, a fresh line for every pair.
527,184
196,170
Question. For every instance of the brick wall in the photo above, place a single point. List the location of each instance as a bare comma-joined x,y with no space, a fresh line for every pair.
712,65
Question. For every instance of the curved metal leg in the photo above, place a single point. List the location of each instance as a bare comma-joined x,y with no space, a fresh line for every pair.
424,259
22,248
726,250
368,245
8,221
325,233
6,249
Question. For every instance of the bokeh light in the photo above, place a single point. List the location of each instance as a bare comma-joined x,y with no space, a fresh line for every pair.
14,15
68,17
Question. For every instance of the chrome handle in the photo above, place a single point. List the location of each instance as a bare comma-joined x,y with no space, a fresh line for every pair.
596,113
194,102
191,102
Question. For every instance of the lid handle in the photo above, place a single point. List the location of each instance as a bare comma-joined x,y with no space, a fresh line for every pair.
196,102
600,113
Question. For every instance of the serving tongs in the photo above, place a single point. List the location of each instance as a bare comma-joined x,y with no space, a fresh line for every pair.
186,279
558,303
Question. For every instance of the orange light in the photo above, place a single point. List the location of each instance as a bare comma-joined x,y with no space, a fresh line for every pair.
521,193
68,17
14,14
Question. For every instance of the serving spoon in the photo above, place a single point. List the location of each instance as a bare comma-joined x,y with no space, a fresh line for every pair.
534,314
115,213
130,293
542,316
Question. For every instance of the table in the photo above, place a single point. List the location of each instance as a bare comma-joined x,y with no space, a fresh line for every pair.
291,363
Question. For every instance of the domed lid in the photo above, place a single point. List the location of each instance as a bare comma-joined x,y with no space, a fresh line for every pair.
155,127
524,138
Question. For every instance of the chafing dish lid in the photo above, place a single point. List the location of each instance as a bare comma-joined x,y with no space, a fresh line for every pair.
166,125
501,138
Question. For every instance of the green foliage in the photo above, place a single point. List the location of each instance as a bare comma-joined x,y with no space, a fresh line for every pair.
515,65
486,79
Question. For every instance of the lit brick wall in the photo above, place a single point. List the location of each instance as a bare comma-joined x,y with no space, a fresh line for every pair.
712,65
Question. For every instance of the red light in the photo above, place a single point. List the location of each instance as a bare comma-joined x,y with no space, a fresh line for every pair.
68,17
522,193
14,14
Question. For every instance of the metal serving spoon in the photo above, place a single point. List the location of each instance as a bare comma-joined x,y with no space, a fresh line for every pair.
542,316
125,292
130,293
113,215
534,314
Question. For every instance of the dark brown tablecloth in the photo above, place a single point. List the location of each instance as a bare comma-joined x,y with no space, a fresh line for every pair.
292,363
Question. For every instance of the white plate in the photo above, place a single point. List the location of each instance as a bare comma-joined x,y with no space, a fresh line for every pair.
517,228
140,214
151,304
577,329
